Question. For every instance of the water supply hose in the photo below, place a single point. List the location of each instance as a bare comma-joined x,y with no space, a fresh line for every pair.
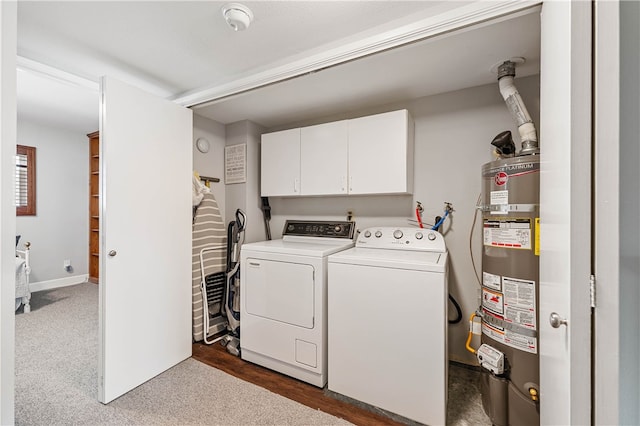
419,210
447,209
458,317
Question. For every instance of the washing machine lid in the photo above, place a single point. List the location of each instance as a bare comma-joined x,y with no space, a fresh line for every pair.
397,259
301,246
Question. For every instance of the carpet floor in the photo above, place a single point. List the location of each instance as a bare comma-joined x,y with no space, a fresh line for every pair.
57,379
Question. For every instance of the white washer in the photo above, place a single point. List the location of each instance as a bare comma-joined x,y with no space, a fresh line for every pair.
387,310
283,309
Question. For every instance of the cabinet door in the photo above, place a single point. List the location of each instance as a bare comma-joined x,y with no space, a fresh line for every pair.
280,166
381,154
323,159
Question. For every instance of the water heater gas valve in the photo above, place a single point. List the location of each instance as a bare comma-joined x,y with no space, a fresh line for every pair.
490,358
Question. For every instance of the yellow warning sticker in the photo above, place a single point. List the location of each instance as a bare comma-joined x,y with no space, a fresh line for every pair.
536,249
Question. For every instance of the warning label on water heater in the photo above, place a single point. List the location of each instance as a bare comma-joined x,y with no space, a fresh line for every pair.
508,233
506,336
520,302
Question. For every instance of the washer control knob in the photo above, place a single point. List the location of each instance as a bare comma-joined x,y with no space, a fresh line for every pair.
338,228
291,227
367,234
397,234
419,235
378,234
431,236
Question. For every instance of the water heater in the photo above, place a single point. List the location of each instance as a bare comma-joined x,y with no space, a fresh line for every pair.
510,290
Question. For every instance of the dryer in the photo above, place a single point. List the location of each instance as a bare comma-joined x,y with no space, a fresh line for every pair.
387,310
283,307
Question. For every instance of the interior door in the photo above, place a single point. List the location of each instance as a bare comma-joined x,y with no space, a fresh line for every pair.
565,213
145,252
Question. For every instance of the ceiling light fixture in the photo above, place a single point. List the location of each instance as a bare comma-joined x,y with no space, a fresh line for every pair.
237,15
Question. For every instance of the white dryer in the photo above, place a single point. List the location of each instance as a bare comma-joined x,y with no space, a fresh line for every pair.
387,310
283,309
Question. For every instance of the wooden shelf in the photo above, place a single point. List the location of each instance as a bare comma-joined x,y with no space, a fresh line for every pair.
94,207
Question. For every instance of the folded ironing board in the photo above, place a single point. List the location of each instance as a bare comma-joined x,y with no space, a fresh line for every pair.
208,231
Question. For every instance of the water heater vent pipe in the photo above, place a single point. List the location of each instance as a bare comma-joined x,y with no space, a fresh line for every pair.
510,94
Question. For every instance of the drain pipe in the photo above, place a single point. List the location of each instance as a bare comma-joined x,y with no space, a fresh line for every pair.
509,92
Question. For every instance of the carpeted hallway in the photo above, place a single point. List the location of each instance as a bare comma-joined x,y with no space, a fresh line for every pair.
56,378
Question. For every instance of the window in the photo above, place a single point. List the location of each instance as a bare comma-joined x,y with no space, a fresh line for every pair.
26,181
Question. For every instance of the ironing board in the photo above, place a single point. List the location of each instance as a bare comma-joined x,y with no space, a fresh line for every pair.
208,230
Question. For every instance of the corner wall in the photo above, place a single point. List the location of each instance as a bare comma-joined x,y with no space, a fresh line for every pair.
60,229
629,319
211,163
246,196
453,132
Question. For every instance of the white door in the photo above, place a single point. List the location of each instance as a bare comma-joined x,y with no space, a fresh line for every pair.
379,150
280,163
145,252
565,213
323,158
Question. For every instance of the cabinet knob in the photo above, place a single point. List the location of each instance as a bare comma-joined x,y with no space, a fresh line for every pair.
112,253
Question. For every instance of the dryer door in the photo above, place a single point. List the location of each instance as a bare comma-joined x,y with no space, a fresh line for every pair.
280,291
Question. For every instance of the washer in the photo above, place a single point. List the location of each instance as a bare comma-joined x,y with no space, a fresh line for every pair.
387,301
283,307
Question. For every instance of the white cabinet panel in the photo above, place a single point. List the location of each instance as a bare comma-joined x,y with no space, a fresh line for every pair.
323,159
381,154
280,167
367,155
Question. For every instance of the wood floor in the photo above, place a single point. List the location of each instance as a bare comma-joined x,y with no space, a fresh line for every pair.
216,356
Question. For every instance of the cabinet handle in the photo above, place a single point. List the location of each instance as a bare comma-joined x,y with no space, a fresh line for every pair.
295,185
350,183
343,183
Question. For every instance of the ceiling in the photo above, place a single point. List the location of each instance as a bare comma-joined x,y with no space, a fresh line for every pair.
173,49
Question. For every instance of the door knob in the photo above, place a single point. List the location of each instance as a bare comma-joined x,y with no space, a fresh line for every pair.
556,321
112,253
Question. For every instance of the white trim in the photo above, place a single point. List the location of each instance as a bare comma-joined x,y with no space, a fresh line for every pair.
47,71
455,19
57,283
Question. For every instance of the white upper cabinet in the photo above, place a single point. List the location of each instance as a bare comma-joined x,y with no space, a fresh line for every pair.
381,154
368,155
280,165
323,159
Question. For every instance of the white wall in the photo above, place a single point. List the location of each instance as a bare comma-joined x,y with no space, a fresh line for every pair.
60,229
211,163
629,291
453,132
8,41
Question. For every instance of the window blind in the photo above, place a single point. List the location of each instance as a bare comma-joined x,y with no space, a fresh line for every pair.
22,193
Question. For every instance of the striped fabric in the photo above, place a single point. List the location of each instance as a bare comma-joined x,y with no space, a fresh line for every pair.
208,231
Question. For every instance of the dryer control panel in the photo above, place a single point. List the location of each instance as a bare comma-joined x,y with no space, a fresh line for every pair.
319,228
402,238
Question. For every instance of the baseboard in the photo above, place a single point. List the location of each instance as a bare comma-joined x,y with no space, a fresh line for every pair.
60,282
